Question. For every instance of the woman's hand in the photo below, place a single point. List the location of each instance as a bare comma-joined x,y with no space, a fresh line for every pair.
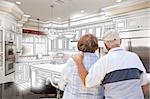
78,58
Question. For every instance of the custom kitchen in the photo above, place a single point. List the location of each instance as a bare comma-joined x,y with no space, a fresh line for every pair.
38,37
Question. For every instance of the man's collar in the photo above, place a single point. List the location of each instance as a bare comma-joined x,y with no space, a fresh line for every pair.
115,49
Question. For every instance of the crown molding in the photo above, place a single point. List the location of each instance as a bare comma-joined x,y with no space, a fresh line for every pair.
122,8
12,9
127,6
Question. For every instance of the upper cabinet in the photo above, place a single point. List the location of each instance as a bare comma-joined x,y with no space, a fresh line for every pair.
144,21
133,22
121,24
109,25
59,43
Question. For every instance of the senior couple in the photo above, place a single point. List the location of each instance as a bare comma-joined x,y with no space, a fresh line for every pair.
118,75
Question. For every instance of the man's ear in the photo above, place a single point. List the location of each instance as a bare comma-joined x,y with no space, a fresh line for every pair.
120,41
107,45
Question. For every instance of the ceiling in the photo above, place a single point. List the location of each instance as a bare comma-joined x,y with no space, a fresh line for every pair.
69,9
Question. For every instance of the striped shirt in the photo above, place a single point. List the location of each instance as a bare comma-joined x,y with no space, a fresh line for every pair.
122,74
74,88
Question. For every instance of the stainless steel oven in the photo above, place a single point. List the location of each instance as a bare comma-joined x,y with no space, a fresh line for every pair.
9,57
9,67
9,50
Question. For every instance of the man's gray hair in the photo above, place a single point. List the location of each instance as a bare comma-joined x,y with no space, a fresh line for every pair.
112,36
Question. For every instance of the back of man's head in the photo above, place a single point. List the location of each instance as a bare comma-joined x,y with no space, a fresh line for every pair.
112,37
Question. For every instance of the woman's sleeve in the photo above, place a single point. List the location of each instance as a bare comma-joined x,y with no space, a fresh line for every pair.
66,73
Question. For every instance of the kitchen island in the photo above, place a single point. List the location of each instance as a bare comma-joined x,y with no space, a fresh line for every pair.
42,74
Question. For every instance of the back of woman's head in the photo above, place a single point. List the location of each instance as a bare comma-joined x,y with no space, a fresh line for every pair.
87,43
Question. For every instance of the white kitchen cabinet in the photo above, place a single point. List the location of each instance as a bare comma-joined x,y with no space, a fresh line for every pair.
120,24
60,44
144,21
21,74
19,43
78,34
49,46
141,21
83,32
132,22
98,32
90,31
41,49
109,26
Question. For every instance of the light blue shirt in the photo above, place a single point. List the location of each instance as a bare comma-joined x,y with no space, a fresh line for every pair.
74,88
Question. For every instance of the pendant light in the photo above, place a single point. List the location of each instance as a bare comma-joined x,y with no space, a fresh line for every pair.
52,34
38,26
52,6
69,33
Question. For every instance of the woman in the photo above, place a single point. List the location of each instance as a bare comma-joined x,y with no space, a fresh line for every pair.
74,88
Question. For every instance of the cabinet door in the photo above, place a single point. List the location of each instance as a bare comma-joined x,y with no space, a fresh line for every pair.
78,34
10,36
21,74
108,26
83,32
98,32
135,22
20,78
60,44
18,42
144,21
132,23
121,24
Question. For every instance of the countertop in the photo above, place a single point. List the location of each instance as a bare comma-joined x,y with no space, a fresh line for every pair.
50,67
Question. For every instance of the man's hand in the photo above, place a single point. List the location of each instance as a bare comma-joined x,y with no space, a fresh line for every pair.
78,58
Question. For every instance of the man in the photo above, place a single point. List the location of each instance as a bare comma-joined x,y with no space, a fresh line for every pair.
121,72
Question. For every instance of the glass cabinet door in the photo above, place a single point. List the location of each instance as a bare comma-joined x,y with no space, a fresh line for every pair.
98,32
60,46
49,45
19,42
83,32
77,35
91,31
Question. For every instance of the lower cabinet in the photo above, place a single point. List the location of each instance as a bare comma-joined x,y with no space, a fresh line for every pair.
22,73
